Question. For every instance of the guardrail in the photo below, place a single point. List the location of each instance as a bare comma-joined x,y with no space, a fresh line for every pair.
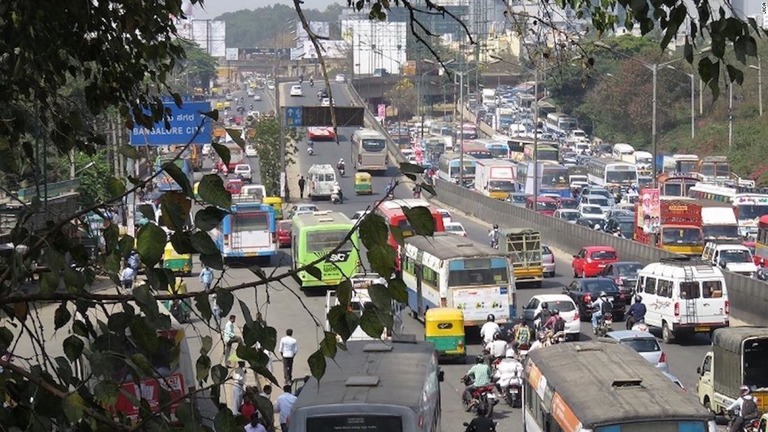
371,122
54,189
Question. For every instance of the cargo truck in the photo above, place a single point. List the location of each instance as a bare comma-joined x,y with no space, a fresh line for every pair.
718,223
523,247
737,359
678,229
495,178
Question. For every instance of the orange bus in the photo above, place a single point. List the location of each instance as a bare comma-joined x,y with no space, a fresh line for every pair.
392,212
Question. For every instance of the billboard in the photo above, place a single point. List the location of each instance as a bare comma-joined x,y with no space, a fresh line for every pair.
184,123
376,45
649,212
210,36
320,28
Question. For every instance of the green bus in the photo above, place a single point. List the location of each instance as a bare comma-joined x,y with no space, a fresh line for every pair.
313,236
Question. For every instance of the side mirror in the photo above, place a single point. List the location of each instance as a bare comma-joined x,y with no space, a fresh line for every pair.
441,375
698,370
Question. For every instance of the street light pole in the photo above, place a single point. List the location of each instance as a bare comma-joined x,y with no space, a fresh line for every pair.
655,70
693,107
536,138
759,69
730,114
461,134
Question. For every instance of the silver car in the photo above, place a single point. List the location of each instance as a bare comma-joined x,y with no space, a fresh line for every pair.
548,261
645,344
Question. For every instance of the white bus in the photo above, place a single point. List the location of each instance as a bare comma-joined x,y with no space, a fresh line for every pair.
451,271
449,163
623,152
559,122
748,204
369,150
611,173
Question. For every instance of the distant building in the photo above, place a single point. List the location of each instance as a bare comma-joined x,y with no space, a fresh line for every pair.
376,45
209,35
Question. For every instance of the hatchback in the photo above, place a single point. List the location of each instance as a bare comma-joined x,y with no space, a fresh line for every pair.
568,311
284,228
624,273
303,209
244,171
455,228
548,260
645,344
567,215
296,91
584,291
591,260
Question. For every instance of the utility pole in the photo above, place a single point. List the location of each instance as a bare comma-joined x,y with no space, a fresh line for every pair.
280,121
730,114
655,70
536,138
461,127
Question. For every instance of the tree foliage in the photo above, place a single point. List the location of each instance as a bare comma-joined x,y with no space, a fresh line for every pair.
403,97
263,133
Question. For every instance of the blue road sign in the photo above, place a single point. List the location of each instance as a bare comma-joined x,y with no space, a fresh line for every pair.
184,121
293,116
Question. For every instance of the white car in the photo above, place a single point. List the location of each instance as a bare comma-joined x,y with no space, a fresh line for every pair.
228,96
244,170
271,85
250,92
250,151
326,102
455,228
548,261
340,78
568,215
257,97
300,209
207,148
568,311
296,91
446,215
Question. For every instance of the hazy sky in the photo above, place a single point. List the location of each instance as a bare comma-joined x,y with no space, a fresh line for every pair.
214,8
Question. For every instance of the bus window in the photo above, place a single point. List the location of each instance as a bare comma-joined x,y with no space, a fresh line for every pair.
251,221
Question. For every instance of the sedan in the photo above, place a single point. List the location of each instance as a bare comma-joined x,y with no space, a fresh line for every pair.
591,260
567,215
585,291
250,151
303,209
296,91
645,344
568,311
283,234
548,261
624,273
455,228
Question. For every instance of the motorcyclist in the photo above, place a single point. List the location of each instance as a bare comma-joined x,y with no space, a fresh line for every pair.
489,330
540,342
480,374
481,423
494,234
337,191
762,273
544,315
636,312
497,348
600,307
311,81
301,78
745,408
549,324
340,165
522,334
416,191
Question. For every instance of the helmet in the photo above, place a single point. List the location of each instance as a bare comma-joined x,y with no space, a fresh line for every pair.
555,311
545,305
482,410
638,299
745,390
491,318
341,160
603,294
495,226
479,359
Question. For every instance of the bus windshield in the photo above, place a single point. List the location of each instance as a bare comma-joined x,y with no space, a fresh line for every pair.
253,221
478,277
554,178
498,151
686,167
620,176
721,232
747,211
373,145
322,241
681,236
502,185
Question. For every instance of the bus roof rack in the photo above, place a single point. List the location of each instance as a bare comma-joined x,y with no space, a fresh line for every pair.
684,261
627,382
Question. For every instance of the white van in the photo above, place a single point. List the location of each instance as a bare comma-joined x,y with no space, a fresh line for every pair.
623,152
321,181
734,258
683,296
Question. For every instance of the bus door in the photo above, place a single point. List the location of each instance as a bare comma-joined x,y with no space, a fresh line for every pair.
418,268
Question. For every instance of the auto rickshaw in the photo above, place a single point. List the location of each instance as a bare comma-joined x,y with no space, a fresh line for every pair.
179,309
363,184
176,262
277,204
444,327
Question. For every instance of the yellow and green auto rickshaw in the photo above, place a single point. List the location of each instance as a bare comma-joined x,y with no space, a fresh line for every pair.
277,204
363,184
176,262
444,327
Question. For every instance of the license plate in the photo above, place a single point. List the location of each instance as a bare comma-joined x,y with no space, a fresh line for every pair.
701,329
491,396
514,391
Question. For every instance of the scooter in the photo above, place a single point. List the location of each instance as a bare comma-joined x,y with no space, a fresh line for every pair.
509,383
336,198
494,243
310,151
342,170
605,325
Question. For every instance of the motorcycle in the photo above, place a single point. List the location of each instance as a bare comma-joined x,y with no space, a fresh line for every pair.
494,243
342,170
472,428
747,426
336,198
605,325
509,383
310,151
311,83
481,395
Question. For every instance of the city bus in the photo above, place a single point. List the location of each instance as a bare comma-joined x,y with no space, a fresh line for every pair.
468,131
399,227
374,386
164,182
546,153
452,271
559,122
761,242
448,167
553,179
498,149
678,185
518,144
369,150
611,173
476,150
749,203
598,386
316,235
248,231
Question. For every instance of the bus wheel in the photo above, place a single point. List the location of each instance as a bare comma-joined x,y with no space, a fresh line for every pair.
666,334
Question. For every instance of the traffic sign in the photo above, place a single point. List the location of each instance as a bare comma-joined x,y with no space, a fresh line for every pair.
293,116
184,123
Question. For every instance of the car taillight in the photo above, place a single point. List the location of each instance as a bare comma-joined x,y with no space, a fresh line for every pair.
576,316
727,307
677,309
663,358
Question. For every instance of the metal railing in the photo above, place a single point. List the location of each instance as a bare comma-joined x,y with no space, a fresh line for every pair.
54,190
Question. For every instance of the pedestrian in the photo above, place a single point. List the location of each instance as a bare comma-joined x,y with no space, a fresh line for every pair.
302,183
127,276
288,348
284,405
255,424
134,261
248,407
238,391
266,391
206,277
230,338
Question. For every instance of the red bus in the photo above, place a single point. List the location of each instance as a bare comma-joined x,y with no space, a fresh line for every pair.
392,212
761,243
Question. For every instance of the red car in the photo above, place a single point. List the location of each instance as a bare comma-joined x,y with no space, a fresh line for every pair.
567,203
284,228
321,133
234,186
591,260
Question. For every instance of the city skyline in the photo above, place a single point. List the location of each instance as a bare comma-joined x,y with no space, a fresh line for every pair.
215,8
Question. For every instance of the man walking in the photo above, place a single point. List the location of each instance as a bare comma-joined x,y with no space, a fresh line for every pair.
127,277
230,338
284,405
302,183
288,348
206,277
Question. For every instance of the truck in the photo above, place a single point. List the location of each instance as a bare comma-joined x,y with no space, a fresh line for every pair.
523,247
495,178
677,229
719,223
737,358
577,173
489,97
735,258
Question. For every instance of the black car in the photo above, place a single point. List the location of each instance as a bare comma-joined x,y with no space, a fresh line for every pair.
585,291
625,225
590,221
624,274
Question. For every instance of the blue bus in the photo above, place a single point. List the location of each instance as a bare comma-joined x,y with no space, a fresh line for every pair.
248,231
164,182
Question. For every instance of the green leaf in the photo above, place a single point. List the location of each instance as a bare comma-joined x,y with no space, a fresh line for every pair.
223,152
74,278
317,365
175,210
212,191
225,300
202,367
406,167
6,339
160,278
398,235
735,75
213,115
150,244
78,327
73,347
219,374
237,136
111,237
115,187
182,242
49,283
61,317
225,421
269,338
186,416
206,344
258,271
209,218
373,231
73,406
126,245
129,151
382,260
106,392
203,305
203,243
688,51
328,345
179,177
342,322
314,272
411,177
428,188
250,334
212,260
421,220
144,335
266,409
381,297
398,290
344,292
371,324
